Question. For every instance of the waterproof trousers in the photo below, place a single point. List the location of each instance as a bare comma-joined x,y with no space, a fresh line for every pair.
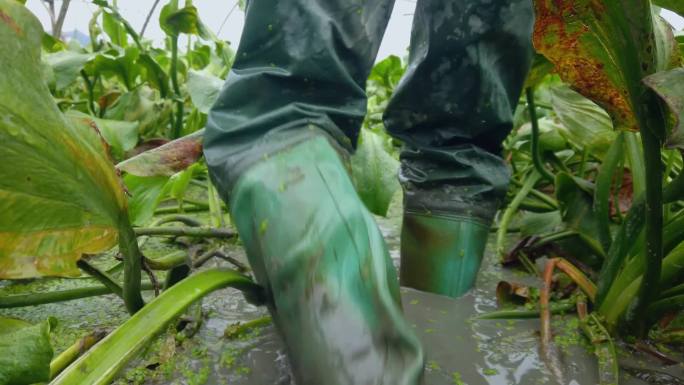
295,96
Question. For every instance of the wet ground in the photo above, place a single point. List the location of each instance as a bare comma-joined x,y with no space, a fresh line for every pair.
460,350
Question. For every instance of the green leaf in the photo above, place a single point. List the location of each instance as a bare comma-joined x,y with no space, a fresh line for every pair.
140,106
124,67
121,136
60,196
602,49
669,85
676,6
535,224
204,89
154,74
114,29
146,194
25,351
604,182
583,122
575,197
174,20
374,172
66,66
168,159
100,364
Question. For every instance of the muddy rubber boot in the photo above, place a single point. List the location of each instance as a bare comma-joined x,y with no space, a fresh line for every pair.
441,254
334,295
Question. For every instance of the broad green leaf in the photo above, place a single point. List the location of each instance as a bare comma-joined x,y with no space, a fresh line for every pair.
374,172
583,122
174,20
124,66
536,224
204,89
168,159
673,5
114,29
66,66
669,85
146,194
25,351
140,106
387,72
575,197
52,44
602,49
121,136
60,196
154,74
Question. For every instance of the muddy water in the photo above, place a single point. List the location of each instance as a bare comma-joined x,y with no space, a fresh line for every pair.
459,349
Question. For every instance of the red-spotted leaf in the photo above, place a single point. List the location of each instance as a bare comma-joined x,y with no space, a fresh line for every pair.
603,49
167,159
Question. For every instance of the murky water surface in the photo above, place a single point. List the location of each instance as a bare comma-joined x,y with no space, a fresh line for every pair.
460,350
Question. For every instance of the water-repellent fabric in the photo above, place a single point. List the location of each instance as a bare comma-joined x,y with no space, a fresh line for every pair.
299,76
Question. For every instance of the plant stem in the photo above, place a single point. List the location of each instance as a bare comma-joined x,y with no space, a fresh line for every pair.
578,277
32,299
544,298
89,88
178,124
132,258
201,232
512,208
538,194
168,261
100,364
604,182
536,155
147,18
101,276
554,308
64,359
653,253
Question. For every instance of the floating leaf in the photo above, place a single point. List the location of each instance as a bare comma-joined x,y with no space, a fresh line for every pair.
168,159
60,196
602,49
25,351
374,173
669,85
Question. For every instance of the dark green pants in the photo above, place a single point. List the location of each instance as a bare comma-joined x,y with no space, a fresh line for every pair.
304,62
300,73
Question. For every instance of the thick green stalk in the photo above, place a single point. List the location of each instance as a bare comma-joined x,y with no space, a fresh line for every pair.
89,89
554,308
101,276
101,363
653,253
202,232
628,232
64,359
178,124
32,299
512,208
604,182
132,257
536,155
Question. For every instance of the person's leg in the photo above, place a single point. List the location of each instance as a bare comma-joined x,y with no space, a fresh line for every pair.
467,65
292,105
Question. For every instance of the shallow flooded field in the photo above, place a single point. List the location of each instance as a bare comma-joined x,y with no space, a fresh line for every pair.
460,350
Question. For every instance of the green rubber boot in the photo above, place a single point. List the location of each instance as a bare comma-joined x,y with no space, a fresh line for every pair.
441,254
334,294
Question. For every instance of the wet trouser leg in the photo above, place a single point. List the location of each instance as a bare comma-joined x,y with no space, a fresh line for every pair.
291,108
467,64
